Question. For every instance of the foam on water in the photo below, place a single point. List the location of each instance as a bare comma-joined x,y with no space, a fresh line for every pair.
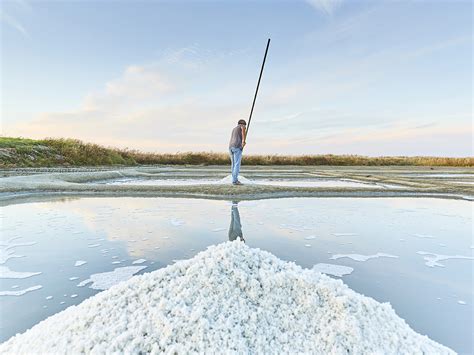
359,257
344,234
433,258
333,269
139,261
6,273
20,292
427,236
80,263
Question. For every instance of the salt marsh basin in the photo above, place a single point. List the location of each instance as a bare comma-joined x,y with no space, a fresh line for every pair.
213,182
392,244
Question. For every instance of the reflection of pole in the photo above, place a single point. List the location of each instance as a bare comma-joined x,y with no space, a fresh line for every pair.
256,91
235,228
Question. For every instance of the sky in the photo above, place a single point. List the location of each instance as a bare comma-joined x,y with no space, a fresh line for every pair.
373,78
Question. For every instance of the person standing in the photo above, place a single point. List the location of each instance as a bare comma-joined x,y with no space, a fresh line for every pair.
236,146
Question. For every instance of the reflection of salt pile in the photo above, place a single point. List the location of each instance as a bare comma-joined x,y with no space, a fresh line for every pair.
229,297
228,180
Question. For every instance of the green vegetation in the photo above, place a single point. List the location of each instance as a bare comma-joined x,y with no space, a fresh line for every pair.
22,152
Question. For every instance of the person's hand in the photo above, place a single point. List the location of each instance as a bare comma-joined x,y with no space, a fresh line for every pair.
243,144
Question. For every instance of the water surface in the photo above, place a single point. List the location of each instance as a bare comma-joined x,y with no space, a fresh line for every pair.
46,240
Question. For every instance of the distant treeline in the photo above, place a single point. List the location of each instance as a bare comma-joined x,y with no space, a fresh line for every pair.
22,152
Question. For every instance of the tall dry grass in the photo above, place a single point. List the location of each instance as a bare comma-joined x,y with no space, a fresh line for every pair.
73,152
302,160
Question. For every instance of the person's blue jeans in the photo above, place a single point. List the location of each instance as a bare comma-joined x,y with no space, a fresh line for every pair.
235,159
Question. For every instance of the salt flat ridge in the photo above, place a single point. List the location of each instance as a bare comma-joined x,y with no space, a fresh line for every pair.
229,297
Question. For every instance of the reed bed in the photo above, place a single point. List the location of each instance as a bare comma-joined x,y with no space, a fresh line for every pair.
22,152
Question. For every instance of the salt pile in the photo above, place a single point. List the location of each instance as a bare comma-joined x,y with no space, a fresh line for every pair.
229,297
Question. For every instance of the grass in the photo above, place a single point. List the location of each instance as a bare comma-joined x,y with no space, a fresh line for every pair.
23,152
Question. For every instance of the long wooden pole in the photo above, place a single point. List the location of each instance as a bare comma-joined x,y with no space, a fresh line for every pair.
256,91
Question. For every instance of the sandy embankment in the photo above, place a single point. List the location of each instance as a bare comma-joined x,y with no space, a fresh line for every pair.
227,298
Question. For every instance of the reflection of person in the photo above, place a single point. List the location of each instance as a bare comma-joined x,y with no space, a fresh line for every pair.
236,145
235,229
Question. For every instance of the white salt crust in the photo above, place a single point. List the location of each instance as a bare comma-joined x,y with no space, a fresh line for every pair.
333,269
229,298
6,273
139,261
20,292
105,280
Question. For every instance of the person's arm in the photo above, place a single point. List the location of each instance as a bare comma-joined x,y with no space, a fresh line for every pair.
244,132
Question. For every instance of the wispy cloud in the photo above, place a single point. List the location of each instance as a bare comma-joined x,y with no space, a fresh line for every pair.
398,139
145,107
327,7
24,4
14,23
195,56
438,46
139,81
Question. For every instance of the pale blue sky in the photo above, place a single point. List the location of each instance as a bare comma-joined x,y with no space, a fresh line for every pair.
353,77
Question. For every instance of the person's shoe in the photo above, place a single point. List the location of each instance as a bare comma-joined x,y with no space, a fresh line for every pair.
237,183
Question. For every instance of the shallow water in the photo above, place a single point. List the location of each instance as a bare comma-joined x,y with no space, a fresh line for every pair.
402,241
